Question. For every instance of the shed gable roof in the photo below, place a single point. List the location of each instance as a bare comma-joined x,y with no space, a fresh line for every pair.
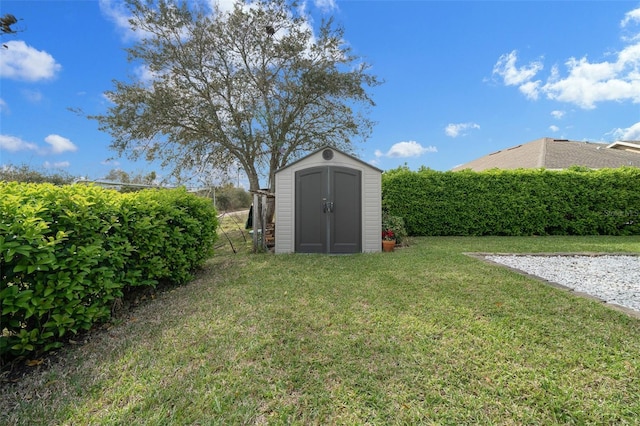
334,149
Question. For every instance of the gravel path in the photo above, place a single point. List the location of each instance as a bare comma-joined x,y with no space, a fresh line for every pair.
612,278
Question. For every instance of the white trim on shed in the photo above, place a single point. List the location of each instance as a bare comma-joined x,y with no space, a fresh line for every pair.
371,201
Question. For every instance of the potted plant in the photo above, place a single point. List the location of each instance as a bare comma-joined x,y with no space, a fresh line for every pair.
388,240
393,231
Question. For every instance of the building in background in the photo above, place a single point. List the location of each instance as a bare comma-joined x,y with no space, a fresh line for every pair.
558,154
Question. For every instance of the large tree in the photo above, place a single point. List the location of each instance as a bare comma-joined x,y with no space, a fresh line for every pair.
254,87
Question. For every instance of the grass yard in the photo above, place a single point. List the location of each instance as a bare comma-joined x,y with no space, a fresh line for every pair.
423,335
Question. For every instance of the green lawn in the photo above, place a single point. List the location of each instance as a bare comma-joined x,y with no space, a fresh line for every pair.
423,335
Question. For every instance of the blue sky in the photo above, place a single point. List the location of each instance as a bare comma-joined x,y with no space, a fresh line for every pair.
462,78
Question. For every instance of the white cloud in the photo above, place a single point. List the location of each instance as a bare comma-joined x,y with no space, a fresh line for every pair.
455,130
58,165
554,128
530,89
557,114
406,149
223,5
57,143
3,106
589,83
632,16
20,61
15,144
629,134
60,144
506,68
326,5
586,82
117,12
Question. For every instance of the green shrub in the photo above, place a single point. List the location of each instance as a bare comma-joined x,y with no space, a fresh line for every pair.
66,253
229,198
168,229
577,201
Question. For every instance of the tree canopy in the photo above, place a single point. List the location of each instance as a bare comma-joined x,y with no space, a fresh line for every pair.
6,21
255,87
24,173
119,175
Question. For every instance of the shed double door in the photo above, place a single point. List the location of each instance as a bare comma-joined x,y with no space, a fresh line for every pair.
328,210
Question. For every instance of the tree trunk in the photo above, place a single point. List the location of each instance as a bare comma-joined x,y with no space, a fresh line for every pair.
254,182
254,185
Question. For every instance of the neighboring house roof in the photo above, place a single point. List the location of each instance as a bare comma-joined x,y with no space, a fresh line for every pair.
556,154
631,146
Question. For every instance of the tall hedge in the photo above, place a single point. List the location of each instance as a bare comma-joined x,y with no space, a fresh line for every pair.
576,201
66,253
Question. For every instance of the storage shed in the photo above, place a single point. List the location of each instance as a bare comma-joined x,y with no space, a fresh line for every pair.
328,202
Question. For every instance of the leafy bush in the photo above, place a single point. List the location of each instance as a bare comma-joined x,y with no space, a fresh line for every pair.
66,253
168,229
576,201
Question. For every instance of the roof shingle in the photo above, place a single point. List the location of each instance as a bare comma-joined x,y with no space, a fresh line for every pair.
556,154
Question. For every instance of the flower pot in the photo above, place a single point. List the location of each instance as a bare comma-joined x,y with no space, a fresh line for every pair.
388,245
